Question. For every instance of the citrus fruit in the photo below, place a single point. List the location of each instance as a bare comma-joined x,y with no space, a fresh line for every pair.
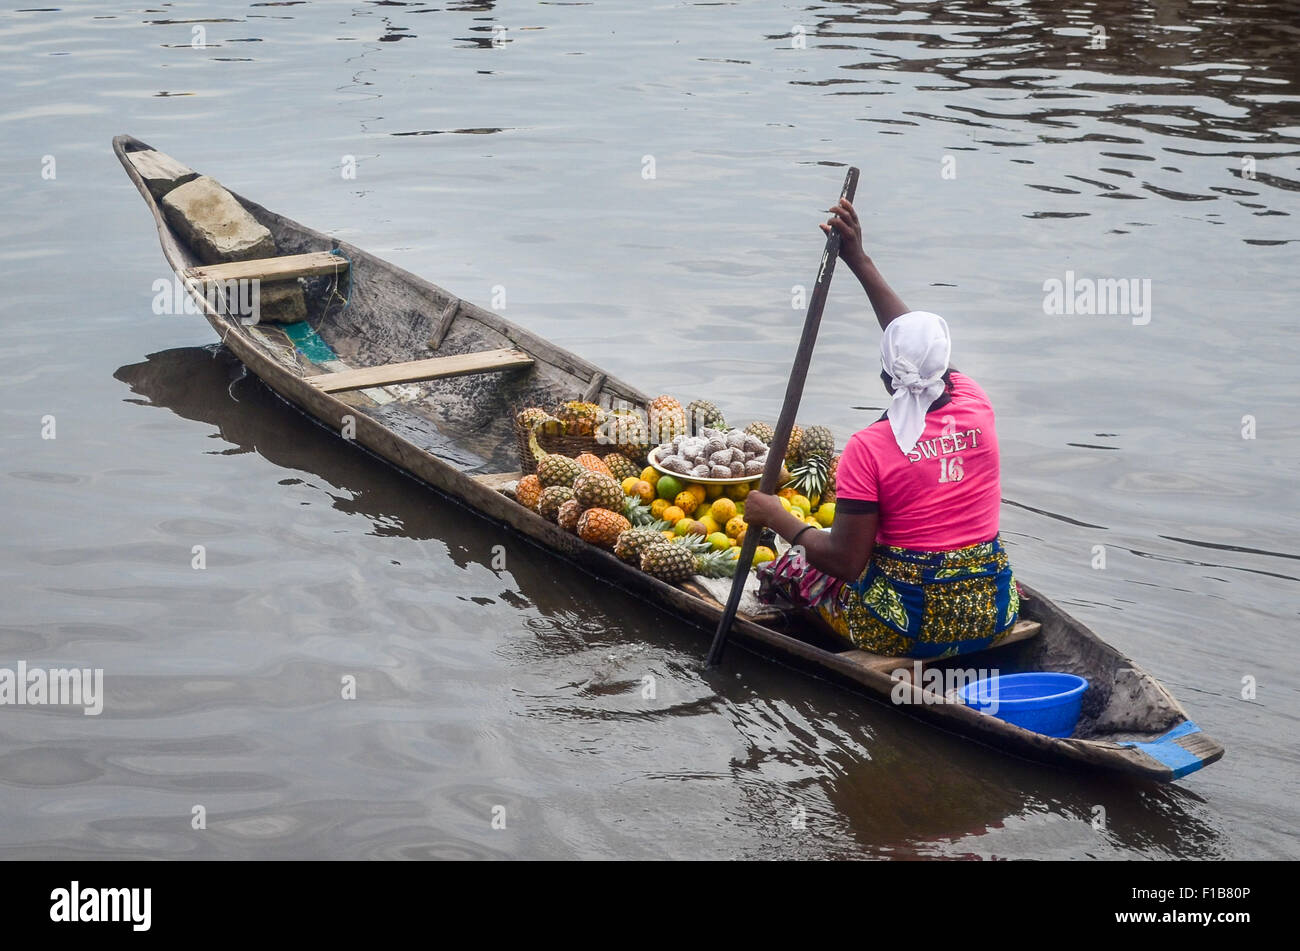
658,507
735,526
644,491
713,491
668,487
650,474
697,528
697,490
739,490
682,525
826,514
672,515
628,484
719,541
709,522
802,502
763,554
785,503
787,493
687,502
723,510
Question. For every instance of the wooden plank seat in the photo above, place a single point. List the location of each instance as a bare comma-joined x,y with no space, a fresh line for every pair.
1020,631
286,267
416,371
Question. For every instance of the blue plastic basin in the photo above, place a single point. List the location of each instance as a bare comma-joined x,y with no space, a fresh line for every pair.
1045,703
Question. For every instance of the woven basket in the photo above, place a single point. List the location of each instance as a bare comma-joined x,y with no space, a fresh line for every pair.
567,445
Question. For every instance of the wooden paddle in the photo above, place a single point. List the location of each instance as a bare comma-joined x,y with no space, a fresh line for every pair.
785,423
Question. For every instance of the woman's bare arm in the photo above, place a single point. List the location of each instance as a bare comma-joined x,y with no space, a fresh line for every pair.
884,301
843,552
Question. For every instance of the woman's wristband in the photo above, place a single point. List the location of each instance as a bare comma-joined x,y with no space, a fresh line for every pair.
794,541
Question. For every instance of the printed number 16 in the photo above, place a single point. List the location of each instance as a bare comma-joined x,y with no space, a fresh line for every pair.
950,469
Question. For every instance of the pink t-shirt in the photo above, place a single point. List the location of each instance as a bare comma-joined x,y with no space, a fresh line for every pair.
946,492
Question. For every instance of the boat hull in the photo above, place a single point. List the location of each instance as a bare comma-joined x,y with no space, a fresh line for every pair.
1131,724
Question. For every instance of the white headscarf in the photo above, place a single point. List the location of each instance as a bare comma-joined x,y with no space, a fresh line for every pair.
914,354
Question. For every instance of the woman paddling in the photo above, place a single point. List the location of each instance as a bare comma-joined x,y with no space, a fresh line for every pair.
915,538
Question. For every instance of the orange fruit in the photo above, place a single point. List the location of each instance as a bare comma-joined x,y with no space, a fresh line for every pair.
658,507
699,491
672,515
686,501
735,526
629,484
723,511
644,491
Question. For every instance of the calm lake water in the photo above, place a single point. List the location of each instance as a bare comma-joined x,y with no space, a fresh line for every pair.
1002,145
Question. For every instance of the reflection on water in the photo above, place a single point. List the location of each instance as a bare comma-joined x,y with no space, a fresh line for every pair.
1002,145
890,786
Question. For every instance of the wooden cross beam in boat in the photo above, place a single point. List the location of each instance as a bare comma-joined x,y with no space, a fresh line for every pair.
416,371
286,267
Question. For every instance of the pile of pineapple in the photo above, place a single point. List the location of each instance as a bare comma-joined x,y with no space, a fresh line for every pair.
667,525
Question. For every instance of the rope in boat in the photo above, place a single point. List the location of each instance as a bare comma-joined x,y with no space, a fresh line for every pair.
334,288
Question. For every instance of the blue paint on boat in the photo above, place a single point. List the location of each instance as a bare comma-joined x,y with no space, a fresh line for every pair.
1165,750
308,342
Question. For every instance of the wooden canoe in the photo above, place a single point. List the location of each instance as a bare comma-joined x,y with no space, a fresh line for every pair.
429,383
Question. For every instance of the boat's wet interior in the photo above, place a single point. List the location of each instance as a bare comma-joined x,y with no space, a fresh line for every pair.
375,315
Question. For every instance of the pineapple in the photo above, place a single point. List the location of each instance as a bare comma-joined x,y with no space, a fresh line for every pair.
811,477
695,544
592,463
818,441
716,564
763,431
637,512
552,468
532,418
595,490
626,430
668,562
703,414
667,419
794,448
620,466
556,470
528,491
552,497
568,516
829,495
631,543
602,527
579,418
